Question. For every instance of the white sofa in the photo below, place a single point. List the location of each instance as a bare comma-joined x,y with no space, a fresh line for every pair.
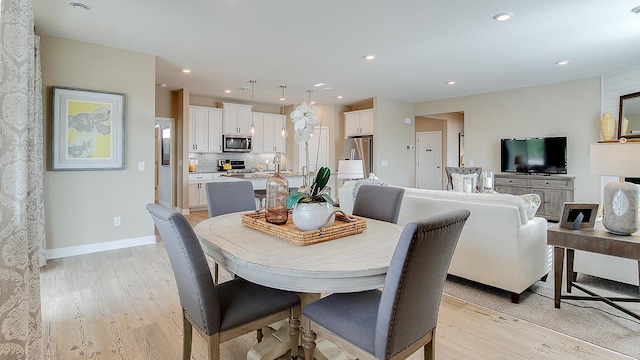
498,246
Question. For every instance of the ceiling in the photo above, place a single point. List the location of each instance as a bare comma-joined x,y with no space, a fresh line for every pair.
419,44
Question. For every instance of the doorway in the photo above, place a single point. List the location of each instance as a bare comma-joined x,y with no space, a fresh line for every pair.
429,160
164,162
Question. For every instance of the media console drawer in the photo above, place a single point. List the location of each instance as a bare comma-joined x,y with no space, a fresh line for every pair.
553,190
549,183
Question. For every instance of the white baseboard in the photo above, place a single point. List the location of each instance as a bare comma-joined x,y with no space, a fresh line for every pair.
98,247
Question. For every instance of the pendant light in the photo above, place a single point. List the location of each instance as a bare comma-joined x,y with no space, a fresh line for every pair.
253,127
283,132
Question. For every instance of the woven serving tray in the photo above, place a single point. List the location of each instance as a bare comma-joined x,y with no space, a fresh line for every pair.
344,225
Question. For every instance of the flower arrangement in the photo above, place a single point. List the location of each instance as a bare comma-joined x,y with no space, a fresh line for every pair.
304,120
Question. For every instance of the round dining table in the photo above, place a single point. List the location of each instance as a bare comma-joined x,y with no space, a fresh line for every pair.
349,264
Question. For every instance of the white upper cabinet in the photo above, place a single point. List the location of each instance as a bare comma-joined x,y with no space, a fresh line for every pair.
358,123
268,136
205,129
236,118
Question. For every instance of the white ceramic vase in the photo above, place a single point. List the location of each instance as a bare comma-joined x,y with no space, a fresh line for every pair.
310,216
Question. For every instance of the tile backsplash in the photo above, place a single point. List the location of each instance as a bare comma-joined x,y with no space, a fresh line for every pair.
207,162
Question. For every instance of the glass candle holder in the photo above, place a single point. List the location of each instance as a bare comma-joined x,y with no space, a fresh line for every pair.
487,181
467,184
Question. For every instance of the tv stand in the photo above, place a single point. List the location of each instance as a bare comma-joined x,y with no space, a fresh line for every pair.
554,190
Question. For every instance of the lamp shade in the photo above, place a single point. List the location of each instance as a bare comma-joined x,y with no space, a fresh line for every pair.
616,159
350,169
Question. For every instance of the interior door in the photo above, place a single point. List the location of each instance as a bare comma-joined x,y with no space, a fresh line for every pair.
429,160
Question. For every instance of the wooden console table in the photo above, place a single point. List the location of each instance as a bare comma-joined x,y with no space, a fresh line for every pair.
554,190
597,240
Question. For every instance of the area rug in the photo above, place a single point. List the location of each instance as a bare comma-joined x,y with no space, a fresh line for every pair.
591,321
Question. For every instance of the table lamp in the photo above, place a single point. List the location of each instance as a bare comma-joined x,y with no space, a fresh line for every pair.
350,169
620,200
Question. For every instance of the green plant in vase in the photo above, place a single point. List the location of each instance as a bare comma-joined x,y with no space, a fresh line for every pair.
313,207
318,193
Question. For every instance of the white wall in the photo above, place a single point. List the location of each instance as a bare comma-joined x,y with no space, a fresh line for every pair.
80,205
569,109
616,85
391,137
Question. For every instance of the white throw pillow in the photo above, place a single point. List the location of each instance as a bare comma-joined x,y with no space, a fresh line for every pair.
531,204
458,179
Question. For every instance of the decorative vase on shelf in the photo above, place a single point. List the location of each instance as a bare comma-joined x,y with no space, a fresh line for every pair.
277,190
310,216
607,127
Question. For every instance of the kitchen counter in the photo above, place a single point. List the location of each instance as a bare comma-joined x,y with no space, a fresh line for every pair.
262,174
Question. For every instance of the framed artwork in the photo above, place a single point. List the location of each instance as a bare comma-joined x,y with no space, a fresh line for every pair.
166,146
578,215
87,129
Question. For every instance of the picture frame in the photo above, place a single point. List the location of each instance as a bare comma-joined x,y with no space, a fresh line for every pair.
87,129
571,215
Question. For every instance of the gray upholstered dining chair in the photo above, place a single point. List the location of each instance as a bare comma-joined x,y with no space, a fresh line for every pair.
225,197
218,312
463,171
379,202
400,319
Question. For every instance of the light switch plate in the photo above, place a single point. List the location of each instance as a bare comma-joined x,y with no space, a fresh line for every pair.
140,165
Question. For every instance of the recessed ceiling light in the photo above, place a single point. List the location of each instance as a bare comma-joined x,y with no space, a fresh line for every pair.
328,88
451,82
186,71
503,16
636,10
339,96
79,6
282,99
227,91
318,84
369,57
563,62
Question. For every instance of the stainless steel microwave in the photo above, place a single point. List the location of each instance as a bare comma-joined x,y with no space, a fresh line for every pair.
236,143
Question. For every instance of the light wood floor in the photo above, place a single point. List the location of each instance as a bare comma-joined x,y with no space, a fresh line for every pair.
123,304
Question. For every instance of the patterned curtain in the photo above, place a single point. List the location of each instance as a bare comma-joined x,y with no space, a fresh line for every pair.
21,183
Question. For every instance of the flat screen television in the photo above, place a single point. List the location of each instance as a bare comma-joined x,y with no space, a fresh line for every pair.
542,155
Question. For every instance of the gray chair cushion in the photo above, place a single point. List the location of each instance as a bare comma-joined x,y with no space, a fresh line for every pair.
352,316
379,202
242,301
225,197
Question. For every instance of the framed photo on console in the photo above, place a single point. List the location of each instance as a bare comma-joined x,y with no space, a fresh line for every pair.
578,215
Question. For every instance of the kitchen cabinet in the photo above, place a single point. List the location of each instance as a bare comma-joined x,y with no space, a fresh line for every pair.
554,190
357,123
205,129
197,195
197,192
236,118
268,136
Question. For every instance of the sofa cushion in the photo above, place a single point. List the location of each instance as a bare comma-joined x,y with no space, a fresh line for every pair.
367,181
531,204
457,181
487,198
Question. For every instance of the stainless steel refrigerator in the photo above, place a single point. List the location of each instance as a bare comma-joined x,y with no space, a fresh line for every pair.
360,148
